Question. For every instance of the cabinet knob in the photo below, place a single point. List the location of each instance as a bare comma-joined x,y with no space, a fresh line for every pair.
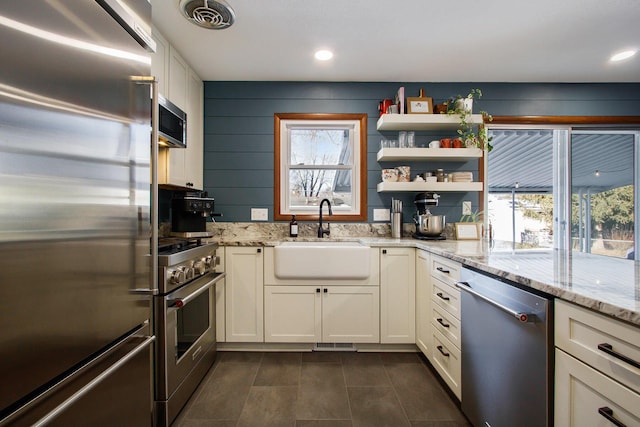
259,250
325,290
384,251
317,290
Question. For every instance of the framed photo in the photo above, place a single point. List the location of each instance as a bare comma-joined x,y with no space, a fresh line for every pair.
420,105
467,231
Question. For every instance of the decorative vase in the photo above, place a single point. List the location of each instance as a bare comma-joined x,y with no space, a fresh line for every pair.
465,104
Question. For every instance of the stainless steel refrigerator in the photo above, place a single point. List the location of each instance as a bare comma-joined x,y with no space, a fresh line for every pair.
76,259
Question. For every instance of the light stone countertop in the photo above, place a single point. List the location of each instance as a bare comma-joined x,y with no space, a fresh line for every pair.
607,285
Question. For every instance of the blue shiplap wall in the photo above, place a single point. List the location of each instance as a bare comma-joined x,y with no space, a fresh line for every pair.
238,129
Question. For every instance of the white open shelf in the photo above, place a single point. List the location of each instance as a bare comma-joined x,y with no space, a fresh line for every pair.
423,121
431,154
428,186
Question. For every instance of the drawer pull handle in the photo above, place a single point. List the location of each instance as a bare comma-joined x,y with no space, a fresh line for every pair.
607,412
608,348
439,319
444,353
442,270
439,294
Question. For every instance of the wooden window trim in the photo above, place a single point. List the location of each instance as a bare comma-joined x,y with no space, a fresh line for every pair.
362,118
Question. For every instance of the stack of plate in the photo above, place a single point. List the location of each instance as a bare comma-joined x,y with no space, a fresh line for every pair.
462,177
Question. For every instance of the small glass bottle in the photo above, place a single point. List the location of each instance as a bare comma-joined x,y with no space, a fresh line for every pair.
293,227
440,175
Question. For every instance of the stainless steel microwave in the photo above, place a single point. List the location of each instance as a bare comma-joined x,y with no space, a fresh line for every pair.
172,124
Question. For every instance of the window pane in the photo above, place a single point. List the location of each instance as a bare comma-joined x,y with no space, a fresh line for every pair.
602,217
520,178
310,186
320,147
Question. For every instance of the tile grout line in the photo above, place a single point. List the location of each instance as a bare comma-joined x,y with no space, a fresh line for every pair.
395,393
246,399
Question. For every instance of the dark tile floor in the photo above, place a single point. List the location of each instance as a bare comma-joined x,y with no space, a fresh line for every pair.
320,389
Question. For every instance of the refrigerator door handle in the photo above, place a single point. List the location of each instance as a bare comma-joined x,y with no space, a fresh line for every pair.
522,317
97,380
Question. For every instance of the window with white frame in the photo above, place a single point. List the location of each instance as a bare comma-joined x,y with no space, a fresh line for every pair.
320,156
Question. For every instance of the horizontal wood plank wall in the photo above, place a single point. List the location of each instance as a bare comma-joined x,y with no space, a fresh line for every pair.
238,127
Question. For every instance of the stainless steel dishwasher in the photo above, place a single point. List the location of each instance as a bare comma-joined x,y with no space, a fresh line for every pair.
507,368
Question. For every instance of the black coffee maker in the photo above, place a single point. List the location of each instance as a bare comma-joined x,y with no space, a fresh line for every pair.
189,213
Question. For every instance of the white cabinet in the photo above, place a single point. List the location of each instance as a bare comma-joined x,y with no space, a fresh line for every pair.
440,122
180,168
194,153
597,371
244,299
292,314
314,310
351,314
585,397
331,314
160,62
397,296
446,355
221,332
423,302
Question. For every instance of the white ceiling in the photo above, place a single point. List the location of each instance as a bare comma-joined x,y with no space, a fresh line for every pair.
412,40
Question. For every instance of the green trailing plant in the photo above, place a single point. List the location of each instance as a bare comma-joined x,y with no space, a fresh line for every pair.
472,135
475,216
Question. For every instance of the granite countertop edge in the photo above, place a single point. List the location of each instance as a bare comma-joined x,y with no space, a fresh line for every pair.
475,254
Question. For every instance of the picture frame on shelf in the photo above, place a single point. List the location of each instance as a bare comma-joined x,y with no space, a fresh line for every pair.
419,105
467,231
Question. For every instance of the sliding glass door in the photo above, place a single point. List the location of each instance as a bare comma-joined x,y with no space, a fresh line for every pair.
603,185
564,188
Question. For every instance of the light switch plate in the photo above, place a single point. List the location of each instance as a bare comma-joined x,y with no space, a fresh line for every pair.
259,214
381,215
466,208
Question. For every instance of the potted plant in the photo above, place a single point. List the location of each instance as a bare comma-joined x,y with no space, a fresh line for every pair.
462,107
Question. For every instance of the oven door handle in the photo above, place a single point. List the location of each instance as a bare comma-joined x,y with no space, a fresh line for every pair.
181,302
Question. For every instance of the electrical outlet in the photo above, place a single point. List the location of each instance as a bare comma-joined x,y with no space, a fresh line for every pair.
259,214
466,208
381,215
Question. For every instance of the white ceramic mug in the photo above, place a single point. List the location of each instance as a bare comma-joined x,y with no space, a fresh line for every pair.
434,144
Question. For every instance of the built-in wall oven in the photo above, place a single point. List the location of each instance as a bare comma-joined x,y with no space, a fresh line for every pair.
184,314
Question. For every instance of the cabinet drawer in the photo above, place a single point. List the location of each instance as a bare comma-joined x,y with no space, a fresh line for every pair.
445,269
582,393
446,296
581,332
446,324
447,361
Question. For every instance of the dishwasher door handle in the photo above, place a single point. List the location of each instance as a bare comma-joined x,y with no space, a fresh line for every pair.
522,317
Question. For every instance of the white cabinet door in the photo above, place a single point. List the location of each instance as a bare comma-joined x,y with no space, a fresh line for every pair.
244,294
172,160
160,62
397,296
221,330
292,314
194,153
350,314
585,397
423,302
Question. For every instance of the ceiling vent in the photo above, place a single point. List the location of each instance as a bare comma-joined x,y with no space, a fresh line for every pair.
210,14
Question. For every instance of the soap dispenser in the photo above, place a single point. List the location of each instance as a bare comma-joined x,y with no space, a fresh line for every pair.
293,227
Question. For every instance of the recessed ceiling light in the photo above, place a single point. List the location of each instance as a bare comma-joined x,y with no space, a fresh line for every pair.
323,55
621,56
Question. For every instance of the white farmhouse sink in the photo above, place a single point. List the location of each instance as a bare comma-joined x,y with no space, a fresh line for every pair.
321,260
